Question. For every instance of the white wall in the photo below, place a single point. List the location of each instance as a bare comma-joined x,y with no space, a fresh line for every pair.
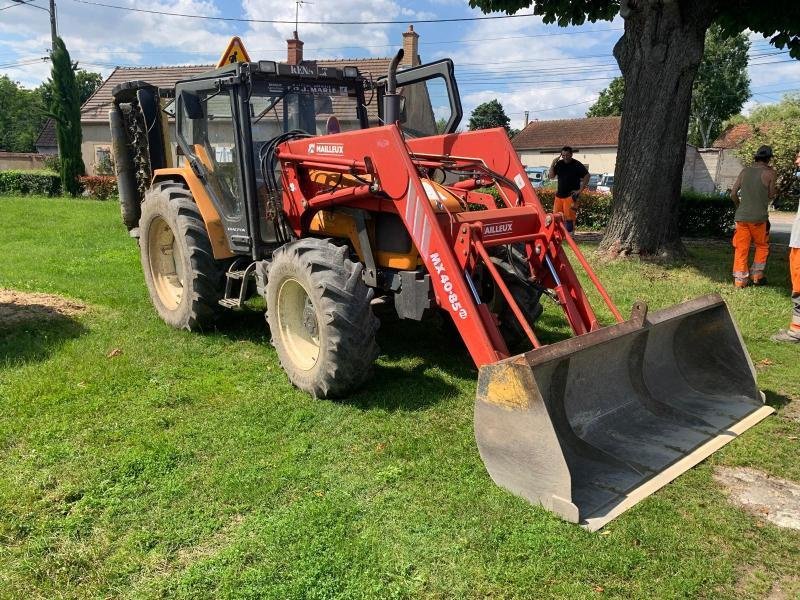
597,160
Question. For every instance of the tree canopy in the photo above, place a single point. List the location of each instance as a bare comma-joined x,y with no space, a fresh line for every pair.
609,103
21,117
487,115
721,87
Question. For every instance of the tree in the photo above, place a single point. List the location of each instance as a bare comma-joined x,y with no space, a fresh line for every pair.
609,104
66,111
788,109
721,86
659,54
21,117
87,82
487,115
719,91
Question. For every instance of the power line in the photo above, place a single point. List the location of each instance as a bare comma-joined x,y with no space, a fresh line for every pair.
292,21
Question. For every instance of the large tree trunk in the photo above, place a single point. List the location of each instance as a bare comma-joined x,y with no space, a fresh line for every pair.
658,55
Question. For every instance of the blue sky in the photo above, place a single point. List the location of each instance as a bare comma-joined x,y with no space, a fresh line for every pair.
550,71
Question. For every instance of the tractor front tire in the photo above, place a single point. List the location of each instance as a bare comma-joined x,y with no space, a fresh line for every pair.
320,318
184,280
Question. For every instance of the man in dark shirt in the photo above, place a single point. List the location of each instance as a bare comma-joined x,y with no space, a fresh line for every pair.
573,177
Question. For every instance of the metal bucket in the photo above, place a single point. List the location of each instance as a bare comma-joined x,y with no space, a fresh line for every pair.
590,426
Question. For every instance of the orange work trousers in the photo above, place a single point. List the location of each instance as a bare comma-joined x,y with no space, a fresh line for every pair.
794,269
745,234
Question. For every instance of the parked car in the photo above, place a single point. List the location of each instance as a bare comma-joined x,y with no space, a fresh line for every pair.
594,179
537,175
606,183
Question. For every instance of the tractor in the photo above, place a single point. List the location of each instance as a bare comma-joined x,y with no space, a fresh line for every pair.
326,192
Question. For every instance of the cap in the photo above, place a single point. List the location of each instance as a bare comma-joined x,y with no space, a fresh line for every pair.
763,152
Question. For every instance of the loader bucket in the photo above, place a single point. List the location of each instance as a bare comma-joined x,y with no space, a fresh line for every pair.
590,426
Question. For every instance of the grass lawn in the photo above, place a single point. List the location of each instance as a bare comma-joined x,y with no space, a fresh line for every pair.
140,461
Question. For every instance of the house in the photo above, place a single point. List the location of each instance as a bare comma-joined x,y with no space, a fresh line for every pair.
595,142
96,145
47,143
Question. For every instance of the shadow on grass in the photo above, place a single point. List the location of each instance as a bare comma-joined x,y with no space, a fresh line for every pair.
776,400
33,332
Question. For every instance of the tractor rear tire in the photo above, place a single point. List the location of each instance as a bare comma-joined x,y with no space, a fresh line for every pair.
184,280
320,318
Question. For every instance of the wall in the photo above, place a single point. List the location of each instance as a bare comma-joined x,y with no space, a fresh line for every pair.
24,161
94,134
598,160
728,169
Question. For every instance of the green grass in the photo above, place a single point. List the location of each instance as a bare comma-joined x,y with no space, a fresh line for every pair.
188,466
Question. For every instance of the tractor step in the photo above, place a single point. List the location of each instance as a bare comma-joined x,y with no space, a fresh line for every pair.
236,284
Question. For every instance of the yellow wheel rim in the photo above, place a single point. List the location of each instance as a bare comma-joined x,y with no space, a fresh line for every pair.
166,265
298,327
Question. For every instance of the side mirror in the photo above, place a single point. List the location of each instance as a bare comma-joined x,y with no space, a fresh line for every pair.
192,105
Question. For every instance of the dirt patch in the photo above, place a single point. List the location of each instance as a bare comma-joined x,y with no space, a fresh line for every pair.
785,589
791,411
18,307
776,500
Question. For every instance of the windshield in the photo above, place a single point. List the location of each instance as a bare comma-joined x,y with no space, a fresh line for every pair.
317,109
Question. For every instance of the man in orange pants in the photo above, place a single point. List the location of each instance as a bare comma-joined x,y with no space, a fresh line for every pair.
573,177
792,335
752,193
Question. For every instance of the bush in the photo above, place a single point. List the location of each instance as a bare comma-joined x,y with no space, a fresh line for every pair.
99,187
705,215
30,183
701,215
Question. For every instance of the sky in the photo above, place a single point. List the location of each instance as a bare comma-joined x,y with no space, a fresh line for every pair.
552,72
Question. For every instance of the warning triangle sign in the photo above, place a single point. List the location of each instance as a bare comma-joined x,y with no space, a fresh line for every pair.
234,53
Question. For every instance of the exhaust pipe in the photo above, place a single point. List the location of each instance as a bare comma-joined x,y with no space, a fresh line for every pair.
391,99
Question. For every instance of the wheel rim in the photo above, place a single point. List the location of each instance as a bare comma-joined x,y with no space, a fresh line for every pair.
298,326
166,265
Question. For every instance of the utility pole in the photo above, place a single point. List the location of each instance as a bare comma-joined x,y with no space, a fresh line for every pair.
52,11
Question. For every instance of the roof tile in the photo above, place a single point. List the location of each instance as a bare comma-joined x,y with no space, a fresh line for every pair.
578,133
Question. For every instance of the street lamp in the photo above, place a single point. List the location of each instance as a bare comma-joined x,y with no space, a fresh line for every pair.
52,11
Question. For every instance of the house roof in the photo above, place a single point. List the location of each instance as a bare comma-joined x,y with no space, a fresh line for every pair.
96,107
733,136
578,133
47,136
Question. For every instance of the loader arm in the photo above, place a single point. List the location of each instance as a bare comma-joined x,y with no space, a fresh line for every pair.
451,245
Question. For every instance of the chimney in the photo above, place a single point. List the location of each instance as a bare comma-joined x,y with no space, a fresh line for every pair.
295,50
527,114
410,48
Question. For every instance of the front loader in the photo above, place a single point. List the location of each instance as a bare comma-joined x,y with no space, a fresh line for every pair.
325,192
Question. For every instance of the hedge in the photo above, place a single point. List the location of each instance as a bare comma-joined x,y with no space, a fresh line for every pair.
701,215
30,183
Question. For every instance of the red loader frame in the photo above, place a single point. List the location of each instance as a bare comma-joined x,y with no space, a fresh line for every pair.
452,244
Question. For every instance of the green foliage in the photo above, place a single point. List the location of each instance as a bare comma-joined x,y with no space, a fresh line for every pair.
609,103
441,125
488,115
52,162
66,110
30,183
21,117
788,109
784,137
721,86
87,83
99,187
701,215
